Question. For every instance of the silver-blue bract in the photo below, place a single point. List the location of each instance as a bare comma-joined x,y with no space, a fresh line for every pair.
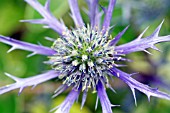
85,57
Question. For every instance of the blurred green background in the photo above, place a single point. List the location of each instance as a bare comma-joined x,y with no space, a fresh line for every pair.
154,70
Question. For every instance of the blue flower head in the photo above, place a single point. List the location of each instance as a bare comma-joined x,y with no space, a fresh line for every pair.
84,57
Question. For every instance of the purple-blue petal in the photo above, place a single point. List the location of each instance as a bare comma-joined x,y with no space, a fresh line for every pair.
36,49
108,17
133,84
141,44
48,18
104,100
117,38
76,13
22,83
93,12
65,106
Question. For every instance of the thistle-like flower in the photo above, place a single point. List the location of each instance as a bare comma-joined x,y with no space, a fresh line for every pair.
85,57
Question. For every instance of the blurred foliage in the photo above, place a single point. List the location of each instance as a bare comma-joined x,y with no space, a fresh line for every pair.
136,13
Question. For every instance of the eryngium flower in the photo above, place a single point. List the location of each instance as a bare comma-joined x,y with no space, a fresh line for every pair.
85,57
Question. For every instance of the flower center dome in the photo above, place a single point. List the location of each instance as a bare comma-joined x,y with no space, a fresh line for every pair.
83,58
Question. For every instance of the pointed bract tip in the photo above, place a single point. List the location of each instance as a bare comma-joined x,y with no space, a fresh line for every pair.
115,105
20,91
156,32
47,4
83,99
97,100
117,37
11,49
32,54
134,95
12,77
141,35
